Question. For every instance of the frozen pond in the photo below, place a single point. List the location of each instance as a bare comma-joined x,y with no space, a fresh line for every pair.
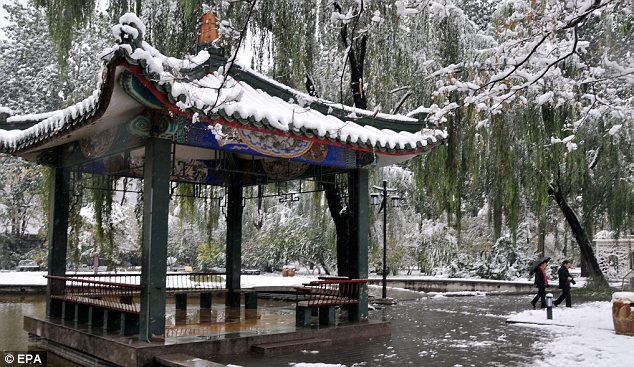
442,331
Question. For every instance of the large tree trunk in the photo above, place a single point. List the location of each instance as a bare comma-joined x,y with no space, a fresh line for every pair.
341,217
356,49
356,73
588,259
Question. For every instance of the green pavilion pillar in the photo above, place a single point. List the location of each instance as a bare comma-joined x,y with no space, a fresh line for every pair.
156,175
358,252
234,246
57,236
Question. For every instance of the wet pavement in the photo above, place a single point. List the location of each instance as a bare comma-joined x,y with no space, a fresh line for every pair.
443,331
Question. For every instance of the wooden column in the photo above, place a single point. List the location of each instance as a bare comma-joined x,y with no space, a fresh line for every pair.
156,174
358,253
234,246
57,236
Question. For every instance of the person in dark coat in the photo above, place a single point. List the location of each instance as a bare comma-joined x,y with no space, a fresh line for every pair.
564,284
541,282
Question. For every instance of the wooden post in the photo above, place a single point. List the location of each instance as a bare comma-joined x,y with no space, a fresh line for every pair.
57,236
180,312
358,258
156,175
234,246
95,316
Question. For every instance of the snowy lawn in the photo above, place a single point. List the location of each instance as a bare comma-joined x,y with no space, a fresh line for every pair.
248,281
581,336
22,278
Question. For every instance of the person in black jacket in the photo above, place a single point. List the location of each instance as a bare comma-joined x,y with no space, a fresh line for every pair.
541,282
564,284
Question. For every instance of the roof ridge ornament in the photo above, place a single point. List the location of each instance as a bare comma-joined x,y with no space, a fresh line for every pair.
130,30
208,36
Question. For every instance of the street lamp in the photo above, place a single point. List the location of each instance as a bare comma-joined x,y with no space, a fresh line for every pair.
374,199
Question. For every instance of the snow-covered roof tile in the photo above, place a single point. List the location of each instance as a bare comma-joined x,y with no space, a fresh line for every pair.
218,94
49,123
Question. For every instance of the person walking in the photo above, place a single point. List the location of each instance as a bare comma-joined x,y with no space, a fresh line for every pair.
541,282
564,284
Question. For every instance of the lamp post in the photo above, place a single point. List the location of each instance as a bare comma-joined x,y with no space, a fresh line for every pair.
395,203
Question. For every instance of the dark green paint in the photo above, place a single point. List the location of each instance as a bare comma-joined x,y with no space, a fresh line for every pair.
358,253
234,245
156,175
57,236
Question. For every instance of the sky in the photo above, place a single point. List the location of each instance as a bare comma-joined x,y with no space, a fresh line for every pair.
3,18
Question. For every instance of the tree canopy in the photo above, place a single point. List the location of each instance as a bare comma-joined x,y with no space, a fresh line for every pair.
537,96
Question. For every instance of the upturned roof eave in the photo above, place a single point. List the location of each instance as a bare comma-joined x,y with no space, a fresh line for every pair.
69,120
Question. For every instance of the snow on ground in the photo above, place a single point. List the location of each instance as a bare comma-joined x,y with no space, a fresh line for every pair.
248,281
579,336
22,278
275,280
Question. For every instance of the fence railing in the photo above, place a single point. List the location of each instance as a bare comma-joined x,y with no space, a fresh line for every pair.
119,291
200,281
105,294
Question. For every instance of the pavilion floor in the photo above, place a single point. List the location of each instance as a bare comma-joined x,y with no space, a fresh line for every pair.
223,331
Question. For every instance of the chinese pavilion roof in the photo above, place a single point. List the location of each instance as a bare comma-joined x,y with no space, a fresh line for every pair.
136,78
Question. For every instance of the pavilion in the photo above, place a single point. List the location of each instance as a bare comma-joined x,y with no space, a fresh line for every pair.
200,120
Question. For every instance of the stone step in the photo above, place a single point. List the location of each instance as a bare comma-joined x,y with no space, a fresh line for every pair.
289,346
184,360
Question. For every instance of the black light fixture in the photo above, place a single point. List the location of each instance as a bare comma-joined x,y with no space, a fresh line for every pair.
380,198
293,196
375,199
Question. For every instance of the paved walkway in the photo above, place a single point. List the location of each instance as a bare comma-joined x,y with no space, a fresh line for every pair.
442,331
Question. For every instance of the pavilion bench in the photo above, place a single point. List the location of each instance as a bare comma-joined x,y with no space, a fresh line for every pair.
323,297
108,300
98,303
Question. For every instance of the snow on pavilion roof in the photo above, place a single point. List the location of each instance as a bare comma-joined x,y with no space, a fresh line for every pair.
249,98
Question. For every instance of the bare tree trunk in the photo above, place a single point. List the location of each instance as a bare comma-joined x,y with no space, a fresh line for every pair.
336,204
356,73
587,254
356,49
341,217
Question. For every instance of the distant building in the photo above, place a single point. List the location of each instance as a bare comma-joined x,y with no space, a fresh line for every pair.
615,256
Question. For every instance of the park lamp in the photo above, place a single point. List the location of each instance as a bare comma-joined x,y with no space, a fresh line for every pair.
380,198
290,196
293,196
375,199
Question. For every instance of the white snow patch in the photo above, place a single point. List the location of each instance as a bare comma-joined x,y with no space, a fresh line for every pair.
623,297
615,129
582,336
